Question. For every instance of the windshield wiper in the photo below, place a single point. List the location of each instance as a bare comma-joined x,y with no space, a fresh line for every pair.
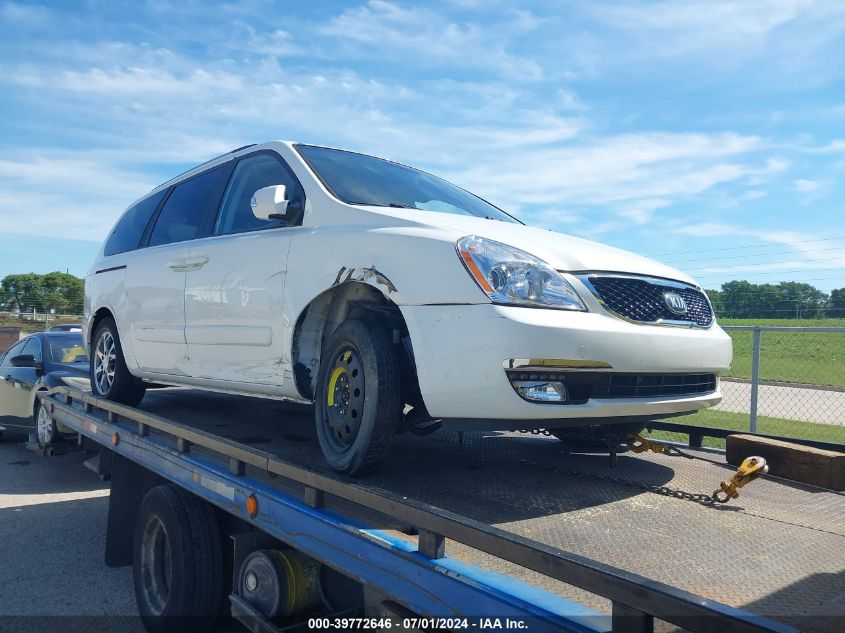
396,205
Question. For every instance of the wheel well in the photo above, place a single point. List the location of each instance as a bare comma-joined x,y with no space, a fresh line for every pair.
350,300
99,315
37,402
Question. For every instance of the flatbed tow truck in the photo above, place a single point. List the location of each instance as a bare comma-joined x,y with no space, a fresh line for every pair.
222,503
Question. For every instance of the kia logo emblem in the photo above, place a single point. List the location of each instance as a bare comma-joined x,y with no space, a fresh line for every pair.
675,302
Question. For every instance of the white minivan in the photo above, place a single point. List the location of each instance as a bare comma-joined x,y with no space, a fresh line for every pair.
392,300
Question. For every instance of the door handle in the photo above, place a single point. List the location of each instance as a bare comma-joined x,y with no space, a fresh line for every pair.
188,263
177,264
197,261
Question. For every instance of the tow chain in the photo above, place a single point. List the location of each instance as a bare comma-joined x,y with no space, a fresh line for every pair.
750,469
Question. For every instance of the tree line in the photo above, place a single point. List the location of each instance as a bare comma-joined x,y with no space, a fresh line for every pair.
786,300
30,292
63,293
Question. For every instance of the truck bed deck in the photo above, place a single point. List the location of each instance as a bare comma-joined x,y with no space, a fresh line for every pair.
777,551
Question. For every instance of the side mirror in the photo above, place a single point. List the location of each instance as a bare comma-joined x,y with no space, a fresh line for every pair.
23,360
270,203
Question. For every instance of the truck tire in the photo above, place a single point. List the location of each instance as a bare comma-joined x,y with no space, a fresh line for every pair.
358,401
110,378
177,562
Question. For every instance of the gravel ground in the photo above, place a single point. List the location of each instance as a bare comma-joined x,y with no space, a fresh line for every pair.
52,536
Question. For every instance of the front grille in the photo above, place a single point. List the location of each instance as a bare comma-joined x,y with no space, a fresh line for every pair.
643,299
582,386
643,385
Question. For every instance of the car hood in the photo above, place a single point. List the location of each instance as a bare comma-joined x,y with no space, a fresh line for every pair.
561,251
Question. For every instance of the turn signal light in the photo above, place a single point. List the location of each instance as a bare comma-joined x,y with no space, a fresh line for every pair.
252,506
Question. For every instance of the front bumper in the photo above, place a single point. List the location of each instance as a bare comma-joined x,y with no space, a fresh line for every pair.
459,351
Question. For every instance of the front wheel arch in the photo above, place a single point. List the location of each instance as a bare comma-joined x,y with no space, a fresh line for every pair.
44,436
326,312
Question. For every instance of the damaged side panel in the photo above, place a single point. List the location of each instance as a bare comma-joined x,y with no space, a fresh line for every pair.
332,271
369,275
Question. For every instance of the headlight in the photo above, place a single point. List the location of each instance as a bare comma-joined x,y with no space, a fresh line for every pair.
509,275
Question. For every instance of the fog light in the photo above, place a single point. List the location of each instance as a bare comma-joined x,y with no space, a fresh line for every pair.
541,390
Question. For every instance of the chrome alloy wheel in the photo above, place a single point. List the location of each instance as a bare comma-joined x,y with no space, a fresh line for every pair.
104,360
44,426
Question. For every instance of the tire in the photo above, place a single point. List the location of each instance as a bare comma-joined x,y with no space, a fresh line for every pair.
110,378
177,562
358,401
45,427
597,438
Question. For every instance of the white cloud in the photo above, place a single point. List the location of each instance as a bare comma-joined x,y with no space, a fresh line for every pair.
28,15
392,32
80,197
642,211
836,146
811,190
798,39
615,169
754,194
703,21
122,82
806,186
535,146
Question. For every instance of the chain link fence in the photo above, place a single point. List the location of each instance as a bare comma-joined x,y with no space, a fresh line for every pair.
16,325
787,381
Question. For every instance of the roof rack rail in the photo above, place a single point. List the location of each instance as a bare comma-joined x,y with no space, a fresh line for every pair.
210,160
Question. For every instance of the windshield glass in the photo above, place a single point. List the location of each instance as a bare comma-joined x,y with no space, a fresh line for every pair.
360,179
67,349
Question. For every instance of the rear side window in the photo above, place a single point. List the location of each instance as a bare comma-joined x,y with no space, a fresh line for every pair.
126,234
186,212
250,175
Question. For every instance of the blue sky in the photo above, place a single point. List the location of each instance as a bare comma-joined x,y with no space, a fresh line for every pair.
709,134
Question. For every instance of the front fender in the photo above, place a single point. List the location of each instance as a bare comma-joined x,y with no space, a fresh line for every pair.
408,265
64,378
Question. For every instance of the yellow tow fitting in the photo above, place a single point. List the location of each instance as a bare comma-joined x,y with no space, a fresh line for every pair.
639,444
750,469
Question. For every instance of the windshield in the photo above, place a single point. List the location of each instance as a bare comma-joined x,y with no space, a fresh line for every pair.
360,179
67,349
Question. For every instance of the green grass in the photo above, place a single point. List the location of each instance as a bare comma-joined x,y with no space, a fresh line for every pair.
739,422
804,357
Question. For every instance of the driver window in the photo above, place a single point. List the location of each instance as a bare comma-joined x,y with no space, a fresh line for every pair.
250,175
33,347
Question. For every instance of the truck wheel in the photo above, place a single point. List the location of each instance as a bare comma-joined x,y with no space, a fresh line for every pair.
45,426
110,379
358,400
177,562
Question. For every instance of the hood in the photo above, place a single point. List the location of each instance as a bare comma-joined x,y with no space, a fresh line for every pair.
563,252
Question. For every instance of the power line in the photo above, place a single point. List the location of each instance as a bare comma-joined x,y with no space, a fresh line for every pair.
702,259
785,261
736,248
798,280
779,272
